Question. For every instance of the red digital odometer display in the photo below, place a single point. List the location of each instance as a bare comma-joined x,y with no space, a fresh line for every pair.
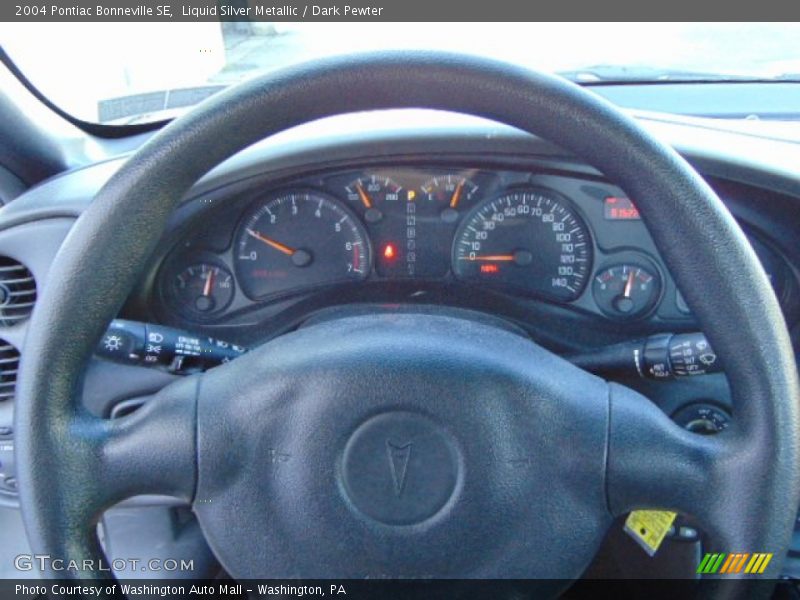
619,208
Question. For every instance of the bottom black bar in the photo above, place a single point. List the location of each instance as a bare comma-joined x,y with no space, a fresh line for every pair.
368,589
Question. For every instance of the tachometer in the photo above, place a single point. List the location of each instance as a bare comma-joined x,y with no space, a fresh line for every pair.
299,240
530,240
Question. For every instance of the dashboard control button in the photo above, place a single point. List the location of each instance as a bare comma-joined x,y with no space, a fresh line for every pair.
655,358
661,356
136,343
703,418
691,354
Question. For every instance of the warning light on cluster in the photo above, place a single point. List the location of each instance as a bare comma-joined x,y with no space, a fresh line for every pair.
490,269
619,208
389,252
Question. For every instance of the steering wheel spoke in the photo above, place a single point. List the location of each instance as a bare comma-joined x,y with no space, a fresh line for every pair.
652,462
655,464
96,463
153,450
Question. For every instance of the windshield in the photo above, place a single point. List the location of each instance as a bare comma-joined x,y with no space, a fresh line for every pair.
121,73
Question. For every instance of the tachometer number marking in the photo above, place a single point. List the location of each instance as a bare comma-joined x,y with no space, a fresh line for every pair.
299,240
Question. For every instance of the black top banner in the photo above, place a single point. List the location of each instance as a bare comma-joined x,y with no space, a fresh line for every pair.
394,10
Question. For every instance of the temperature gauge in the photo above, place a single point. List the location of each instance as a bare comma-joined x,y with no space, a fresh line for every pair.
626,290
375,194
202,289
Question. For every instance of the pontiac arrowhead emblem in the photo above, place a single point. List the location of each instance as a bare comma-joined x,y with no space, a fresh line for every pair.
398,463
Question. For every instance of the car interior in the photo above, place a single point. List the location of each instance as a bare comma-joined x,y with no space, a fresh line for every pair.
403,314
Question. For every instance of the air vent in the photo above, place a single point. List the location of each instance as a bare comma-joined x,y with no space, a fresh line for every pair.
17,291
9,364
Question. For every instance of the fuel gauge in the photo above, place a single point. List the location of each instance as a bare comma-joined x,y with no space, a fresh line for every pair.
450,192
626,290
202,289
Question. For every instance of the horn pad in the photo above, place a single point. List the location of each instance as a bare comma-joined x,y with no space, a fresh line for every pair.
406,445
400,468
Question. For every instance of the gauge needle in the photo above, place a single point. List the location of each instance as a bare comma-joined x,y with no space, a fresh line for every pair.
626,293
491,257
209,283
363,195
271,243
457,195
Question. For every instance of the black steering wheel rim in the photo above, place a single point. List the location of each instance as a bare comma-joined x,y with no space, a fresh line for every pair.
58,443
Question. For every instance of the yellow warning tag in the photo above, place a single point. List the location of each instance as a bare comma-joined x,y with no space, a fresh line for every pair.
649,528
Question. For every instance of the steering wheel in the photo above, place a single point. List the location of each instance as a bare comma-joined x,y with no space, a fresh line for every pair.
414,445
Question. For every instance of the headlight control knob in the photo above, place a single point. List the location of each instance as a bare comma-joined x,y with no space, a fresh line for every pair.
702,418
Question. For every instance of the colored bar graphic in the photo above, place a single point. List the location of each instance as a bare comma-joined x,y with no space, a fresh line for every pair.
726,566
729,564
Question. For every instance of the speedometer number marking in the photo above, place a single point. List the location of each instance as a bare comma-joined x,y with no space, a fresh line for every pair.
527,240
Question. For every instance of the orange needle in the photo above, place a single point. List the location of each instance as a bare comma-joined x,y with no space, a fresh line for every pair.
491,257
209,283
363,195
626,293
272,243
457,194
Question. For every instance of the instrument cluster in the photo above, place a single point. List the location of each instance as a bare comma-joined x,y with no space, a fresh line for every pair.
572,241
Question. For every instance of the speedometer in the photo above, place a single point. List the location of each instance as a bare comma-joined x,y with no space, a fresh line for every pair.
528,240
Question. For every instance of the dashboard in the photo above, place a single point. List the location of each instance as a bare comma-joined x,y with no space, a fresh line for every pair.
419,212
435,213
461,234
